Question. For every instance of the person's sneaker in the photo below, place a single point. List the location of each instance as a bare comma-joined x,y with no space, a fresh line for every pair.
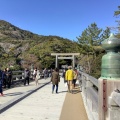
52,92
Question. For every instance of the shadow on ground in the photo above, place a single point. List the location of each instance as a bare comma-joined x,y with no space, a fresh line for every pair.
13,94
62,91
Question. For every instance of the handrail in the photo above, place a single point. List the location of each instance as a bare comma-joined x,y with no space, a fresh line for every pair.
19,75
92,79
93,94
90,95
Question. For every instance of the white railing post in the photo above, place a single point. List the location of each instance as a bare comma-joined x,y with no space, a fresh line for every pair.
106,87
114,106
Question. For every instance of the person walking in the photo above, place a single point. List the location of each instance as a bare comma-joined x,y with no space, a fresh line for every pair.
45,72
26,76
75,77
55,79
5,78
1,82
34,73
9,77
63,75
51,70
69,77
37,77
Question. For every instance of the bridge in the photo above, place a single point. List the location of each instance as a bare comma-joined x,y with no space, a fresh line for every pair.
38,102
92,99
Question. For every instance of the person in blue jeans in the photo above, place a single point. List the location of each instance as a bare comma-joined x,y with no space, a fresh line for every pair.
55,79
1,82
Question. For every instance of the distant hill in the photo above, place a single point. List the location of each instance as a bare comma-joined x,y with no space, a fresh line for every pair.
17,47
11,32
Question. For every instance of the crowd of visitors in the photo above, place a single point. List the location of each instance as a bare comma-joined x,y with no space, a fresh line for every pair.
70,76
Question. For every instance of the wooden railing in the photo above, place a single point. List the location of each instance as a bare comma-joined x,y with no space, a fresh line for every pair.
19,75
89,92
92,99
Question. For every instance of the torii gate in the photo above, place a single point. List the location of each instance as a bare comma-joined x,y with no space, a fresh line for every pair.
65,54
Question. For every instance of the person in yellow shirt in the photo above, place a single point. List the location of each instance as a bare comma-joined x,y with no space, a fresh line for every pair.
69,77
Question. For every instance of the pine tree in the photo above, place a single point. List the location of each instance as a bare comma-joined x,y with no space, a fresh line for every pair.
90,36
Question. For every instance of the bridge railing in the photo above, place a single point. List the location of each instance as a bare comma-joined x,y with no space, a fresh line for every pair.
89,89
99,105
18,76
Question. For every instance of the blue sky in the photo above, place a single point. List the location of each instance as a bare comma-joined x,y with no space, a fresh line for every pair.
64,18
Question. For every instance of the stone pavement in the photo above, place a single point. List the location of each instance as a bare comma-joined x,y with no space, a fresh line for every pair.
42,104
19,90
14,95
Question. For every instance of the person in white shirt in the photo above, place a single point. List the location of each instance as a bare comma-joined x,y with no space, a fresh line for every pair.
37,77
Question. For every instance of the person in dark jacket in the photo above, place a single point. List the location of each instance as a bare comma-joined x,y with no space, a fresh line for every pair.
55,79
5,78
9,77
1,82
26,76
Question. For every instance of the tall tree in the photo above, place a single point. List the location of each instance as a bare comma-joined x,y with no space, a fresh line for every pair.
89,41
105,34
91,35
117,14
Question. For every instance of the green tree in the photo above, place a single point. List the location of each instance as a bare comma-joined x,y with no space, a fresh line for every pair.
117,14
91,35
90,48
105,34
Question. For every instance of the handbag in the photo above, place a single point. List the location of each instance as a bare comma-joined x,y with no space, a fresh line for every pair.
77,82
65,84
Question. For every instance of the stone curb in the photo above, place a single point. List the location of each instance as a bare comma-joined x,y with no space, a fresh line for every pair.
12,102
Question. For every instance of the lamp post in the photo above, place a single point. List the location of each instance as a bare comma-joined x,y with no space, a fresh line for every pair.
111,61
110,79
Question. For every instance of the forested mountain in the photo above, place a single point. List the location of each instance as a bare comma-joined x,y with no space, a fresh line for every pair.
11,32
20,48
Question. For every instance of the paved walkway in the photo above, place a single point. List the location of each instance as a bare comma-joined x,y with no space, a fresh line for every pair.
42,104
17,91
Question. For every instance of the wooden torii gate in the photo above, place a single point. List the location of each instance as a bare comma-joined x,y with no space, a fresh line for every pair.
65,54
